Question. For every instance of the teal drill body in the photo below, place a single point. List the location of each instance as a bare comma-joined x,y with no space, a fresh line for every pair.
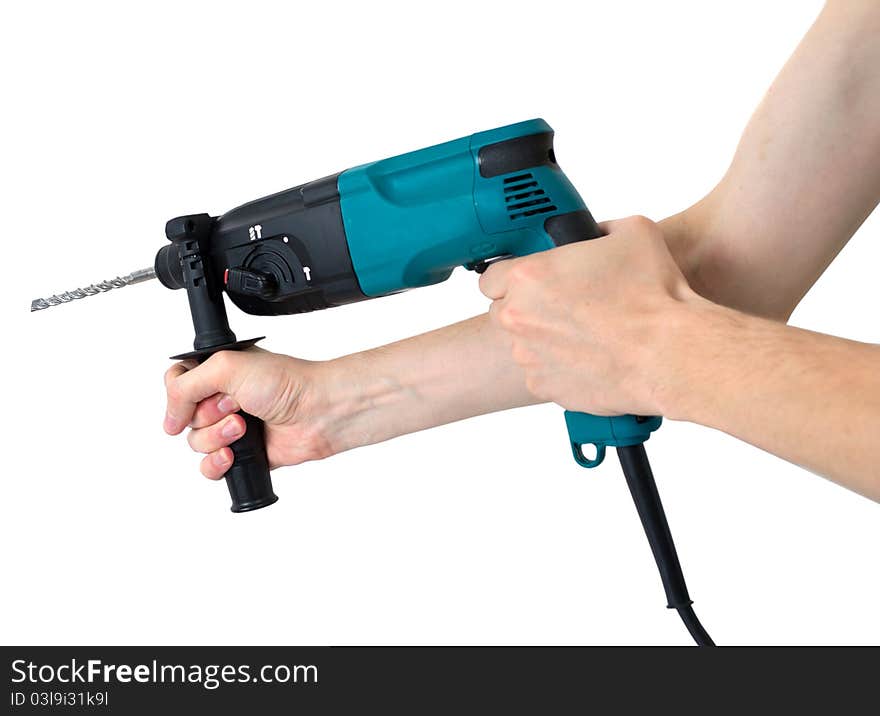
411,219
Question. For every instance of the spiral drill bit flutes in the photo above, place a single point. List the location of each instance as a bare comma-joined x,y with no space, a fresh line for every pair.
38,304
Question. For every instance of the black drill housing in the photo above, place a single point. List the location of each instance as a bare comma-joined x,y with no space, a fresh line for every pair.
282,254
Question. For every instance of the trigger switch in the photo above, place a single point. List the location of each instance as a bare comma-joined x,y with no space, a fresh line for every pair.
250,283
483,264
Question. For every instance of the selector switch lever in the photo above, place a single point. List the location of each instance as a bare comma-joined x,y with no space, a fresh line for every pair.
250,283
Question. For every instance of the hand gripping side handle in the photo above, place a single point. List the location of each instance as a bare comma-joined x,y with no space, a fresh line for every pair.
185,264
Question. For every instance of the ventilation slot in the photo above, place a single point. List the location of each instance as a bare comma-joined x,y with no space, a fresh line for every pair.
524,197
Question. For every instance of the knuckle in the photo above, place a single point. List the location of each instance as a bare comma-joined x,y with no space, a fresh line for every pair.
515,275
199,440
509,318
174,391
223,361
171,374
230,362
642,223
524,271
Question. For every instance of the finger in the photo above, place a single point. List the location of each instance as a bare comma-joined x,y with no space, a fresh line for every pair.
610,227
175,371
178,369
493,283
187,390
173,425
217,464
214,437
213,410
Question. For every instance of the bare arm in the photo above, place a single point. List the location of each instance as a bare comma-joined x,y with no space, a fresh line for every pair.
809,398
424,381
805,176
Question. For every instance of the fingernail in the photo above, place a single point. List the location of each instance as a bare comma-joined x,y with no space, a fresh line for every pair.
220,459
171,424
227,405
231,429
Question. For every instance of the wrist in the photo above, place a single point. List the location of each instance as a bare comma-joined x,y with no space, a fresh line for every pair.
351,402
676,361
694,357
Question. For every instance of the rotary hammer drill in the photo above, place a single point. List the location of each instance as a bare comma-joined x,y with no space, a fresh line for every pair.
378,229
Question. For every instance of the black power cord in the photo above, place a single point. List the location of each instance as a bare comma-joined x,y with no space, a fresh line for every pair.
640,479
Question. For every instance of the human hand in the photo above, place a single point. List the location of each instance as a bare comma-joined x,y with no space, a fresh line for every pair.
282,391
589,322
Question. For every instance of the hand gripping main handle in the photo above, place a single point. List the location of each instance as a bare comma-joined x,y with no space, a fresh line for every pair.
583,428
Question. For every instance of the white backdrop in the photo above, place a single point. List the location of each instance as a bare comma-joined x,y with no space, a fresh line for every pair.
482,532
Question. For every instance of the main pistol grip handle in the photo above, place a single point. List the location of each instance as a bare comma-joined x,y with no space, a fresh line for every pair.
248,480
572,227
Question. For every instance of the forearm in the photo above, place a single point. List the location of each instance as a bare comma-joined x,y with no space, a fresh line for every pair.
804,177
449,374
443,376
809,398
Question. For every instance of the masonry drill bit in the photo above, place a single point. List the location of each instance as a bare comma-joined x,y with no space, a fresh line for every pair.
38,304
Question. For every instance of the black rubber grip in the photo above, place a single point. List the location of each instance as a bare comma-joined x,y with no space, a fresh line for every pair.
248,480
572,227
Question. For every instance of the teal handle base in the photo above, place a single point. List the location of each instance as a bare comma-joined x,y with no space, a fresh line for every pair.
602,431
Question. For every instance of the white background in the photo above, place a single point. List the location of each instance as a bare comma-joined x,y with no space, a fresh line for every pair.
116,119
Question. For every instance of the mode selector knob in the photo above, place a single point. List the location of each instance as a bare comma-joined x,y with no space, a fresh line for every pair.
250,283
